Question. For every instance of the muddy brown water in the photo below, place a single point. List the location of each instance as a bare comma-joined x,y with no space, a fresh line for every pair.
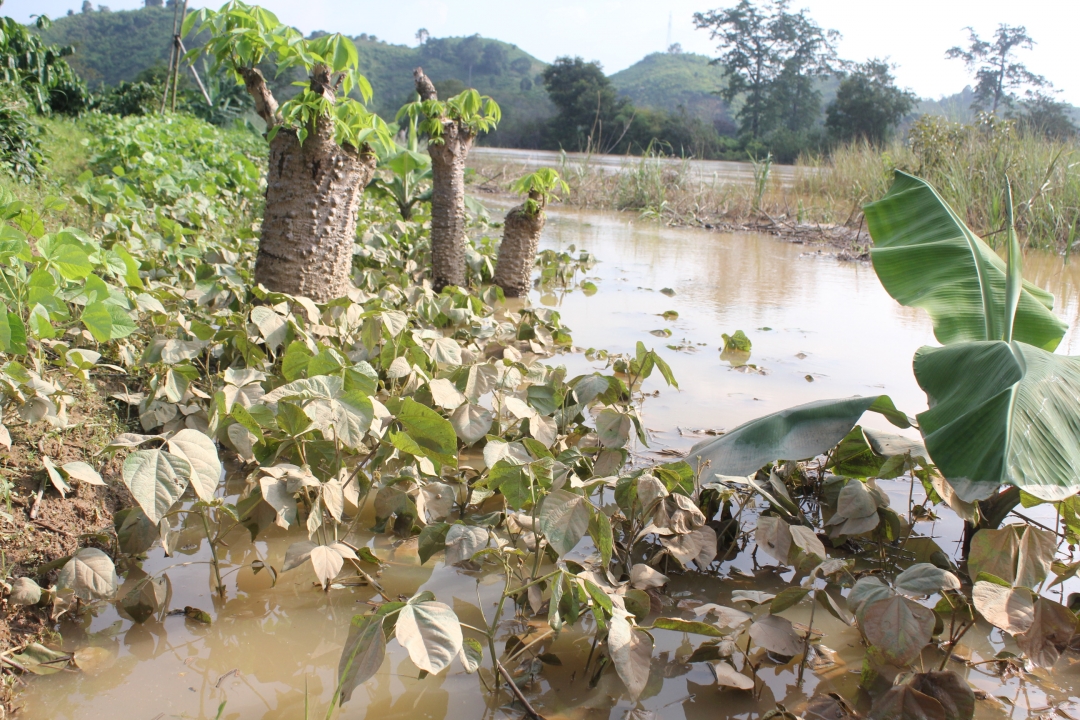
270,650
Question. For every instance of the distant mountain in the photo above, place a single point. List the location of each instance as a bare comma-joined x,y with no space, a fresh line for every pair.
670,81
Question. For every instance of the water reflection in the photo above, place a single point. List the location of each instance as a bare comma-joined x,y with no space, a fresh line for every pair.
271,649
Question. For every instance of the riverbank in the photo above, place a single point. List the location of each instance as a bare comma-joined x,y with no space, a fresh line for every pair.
820,199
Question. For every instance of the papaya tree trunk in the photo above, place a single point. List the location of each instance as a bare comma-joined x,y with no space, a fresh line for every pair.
517,253
312,194
448,155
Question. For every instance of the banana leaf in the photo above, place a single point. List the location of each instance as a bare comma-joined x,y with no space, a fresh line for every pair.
798,433
926,257
1002,413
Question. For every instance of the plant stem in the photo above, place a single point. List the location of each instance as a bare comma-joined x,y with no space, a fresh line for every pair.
806,642
530,712
213,554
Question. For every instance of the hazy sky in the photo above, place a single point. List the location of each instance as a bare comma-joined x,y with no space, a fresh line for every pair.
915,34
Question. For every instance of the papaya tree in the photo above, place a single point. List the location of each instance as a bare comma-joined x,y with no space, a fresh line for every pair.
451,127
522,228
321,154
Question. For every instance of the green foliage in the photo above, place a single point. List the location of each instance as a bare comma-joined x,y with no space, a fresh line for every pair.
998,75
591,116
540,187
131,98
478,113
868,104
114,46
39,70
771,57
244,36
20,137
940,265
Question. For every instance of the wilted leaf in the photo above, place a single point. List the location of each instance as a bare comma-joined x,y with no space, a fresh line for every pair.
698,545
41,660
1052,628
807,541
146,599
788,598
994,552
471,422
926,579
297,554
431,633
1010,609
631,653
776,635
898,627
725,616
464,541
82,472
156,480
867,590
472,655
564,520
201,454
93,660
642,576
754,597
904,702
362,655
444,394
730,677
1036,553
90,575
773,537
327,562
24,591
950,690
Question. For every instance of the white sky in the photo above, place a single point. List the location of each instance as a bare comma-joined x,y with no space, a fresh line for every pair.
915,34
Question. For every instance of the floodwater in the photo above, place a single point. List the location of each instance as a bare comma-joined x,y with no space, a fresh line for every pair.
727,170
820,328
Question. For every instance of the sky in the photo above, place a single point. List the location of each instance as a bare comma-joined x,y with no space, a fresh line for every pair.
914,34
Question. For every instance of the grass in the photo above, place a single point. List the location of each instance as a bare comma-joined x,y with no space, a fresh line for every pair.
966,163
66,160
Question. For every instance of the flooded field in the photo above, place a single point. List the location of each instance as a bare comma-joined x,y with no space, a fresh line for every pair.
820,328
726,170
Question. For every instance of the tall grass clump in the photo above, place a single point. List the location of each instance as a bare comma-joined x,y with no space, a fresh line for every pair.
966,163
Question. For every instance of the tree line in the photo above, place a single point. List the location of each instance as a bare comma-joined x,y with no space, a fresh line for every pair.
776,61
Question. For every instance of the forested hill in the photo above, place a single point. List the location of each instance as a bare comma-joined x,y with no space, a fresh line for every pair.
674,80
114,46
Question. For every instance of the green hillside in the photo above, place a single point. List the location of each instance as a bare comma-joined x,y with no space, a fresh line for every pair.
673,80
503,71
114,46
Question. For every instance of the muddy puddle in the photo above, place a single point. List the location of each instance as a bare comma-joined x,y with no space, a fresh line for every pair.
820,328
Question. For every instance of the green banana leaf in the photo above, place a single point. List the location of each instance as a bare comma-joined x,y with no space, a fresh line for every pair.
797,433
926,257
1002,413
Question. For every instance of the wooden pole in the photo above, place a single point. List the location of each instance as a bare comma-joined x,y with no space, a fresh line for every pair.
176,45
172,59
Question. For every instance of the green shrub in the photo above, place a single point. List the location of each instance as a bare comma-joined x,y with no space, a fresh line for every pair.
20,137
